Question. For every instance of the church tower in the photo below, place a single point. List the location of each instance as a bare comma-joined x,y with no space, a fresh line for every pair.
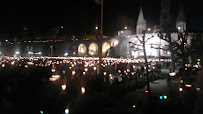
180,20
166,16
141,23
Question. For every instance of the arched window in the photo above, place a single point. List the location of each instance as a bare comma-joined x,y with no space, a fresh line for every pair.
93,49
105,47
82,50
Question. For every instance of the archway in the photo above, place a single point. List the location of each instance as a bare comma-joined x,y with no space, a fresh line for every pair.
82,50
93,49
105,47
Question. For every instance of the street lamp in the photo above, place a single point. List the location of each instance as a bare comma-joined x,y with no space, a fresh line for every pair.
96,28
100,41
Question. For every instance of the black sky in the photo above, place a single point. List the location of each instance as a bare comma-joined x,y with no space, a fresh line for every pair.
80,16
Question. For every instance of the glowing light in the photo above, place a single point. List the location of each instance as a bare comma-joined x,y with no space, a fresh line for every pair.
63,71
180,89
39,53
134,106
198,89
73,72
179,28
86,69
188,85
63,87
111,77
96,27
132,73
3,65
115,43
119,71
26,66
160,97
30,53
148,29
95,68
82,90
165,97
41,112
54,78
105,73
17,52
65,54
146,91
125,27
53,70
172,74
83,73
13,62
181,81
66,111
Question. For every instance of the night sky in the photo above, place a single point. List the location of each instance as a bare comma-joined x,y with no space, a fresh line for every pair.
80,16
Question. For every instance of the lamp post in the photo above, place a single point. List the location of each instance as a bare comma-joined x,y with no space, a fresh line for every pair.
100,40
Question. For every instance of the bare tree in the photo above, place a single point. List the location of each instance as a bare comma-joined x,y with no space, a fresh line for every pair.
143,49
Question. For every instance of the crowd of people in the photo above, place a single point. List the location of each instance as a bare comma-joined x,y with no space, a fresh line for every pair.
27,77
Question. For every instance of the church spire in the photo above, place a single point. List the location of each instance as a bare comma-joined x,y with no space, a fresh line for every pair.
181,21
181,12
141,16
141,23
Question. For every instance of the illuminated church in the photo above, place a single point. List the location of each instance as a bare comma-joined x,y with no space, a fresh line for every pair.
156,48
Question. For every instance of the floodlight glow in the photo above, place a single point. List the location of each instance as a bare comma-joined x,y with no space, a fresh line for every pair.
30,53
66,111
39,53
148,29
66,54
17,52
